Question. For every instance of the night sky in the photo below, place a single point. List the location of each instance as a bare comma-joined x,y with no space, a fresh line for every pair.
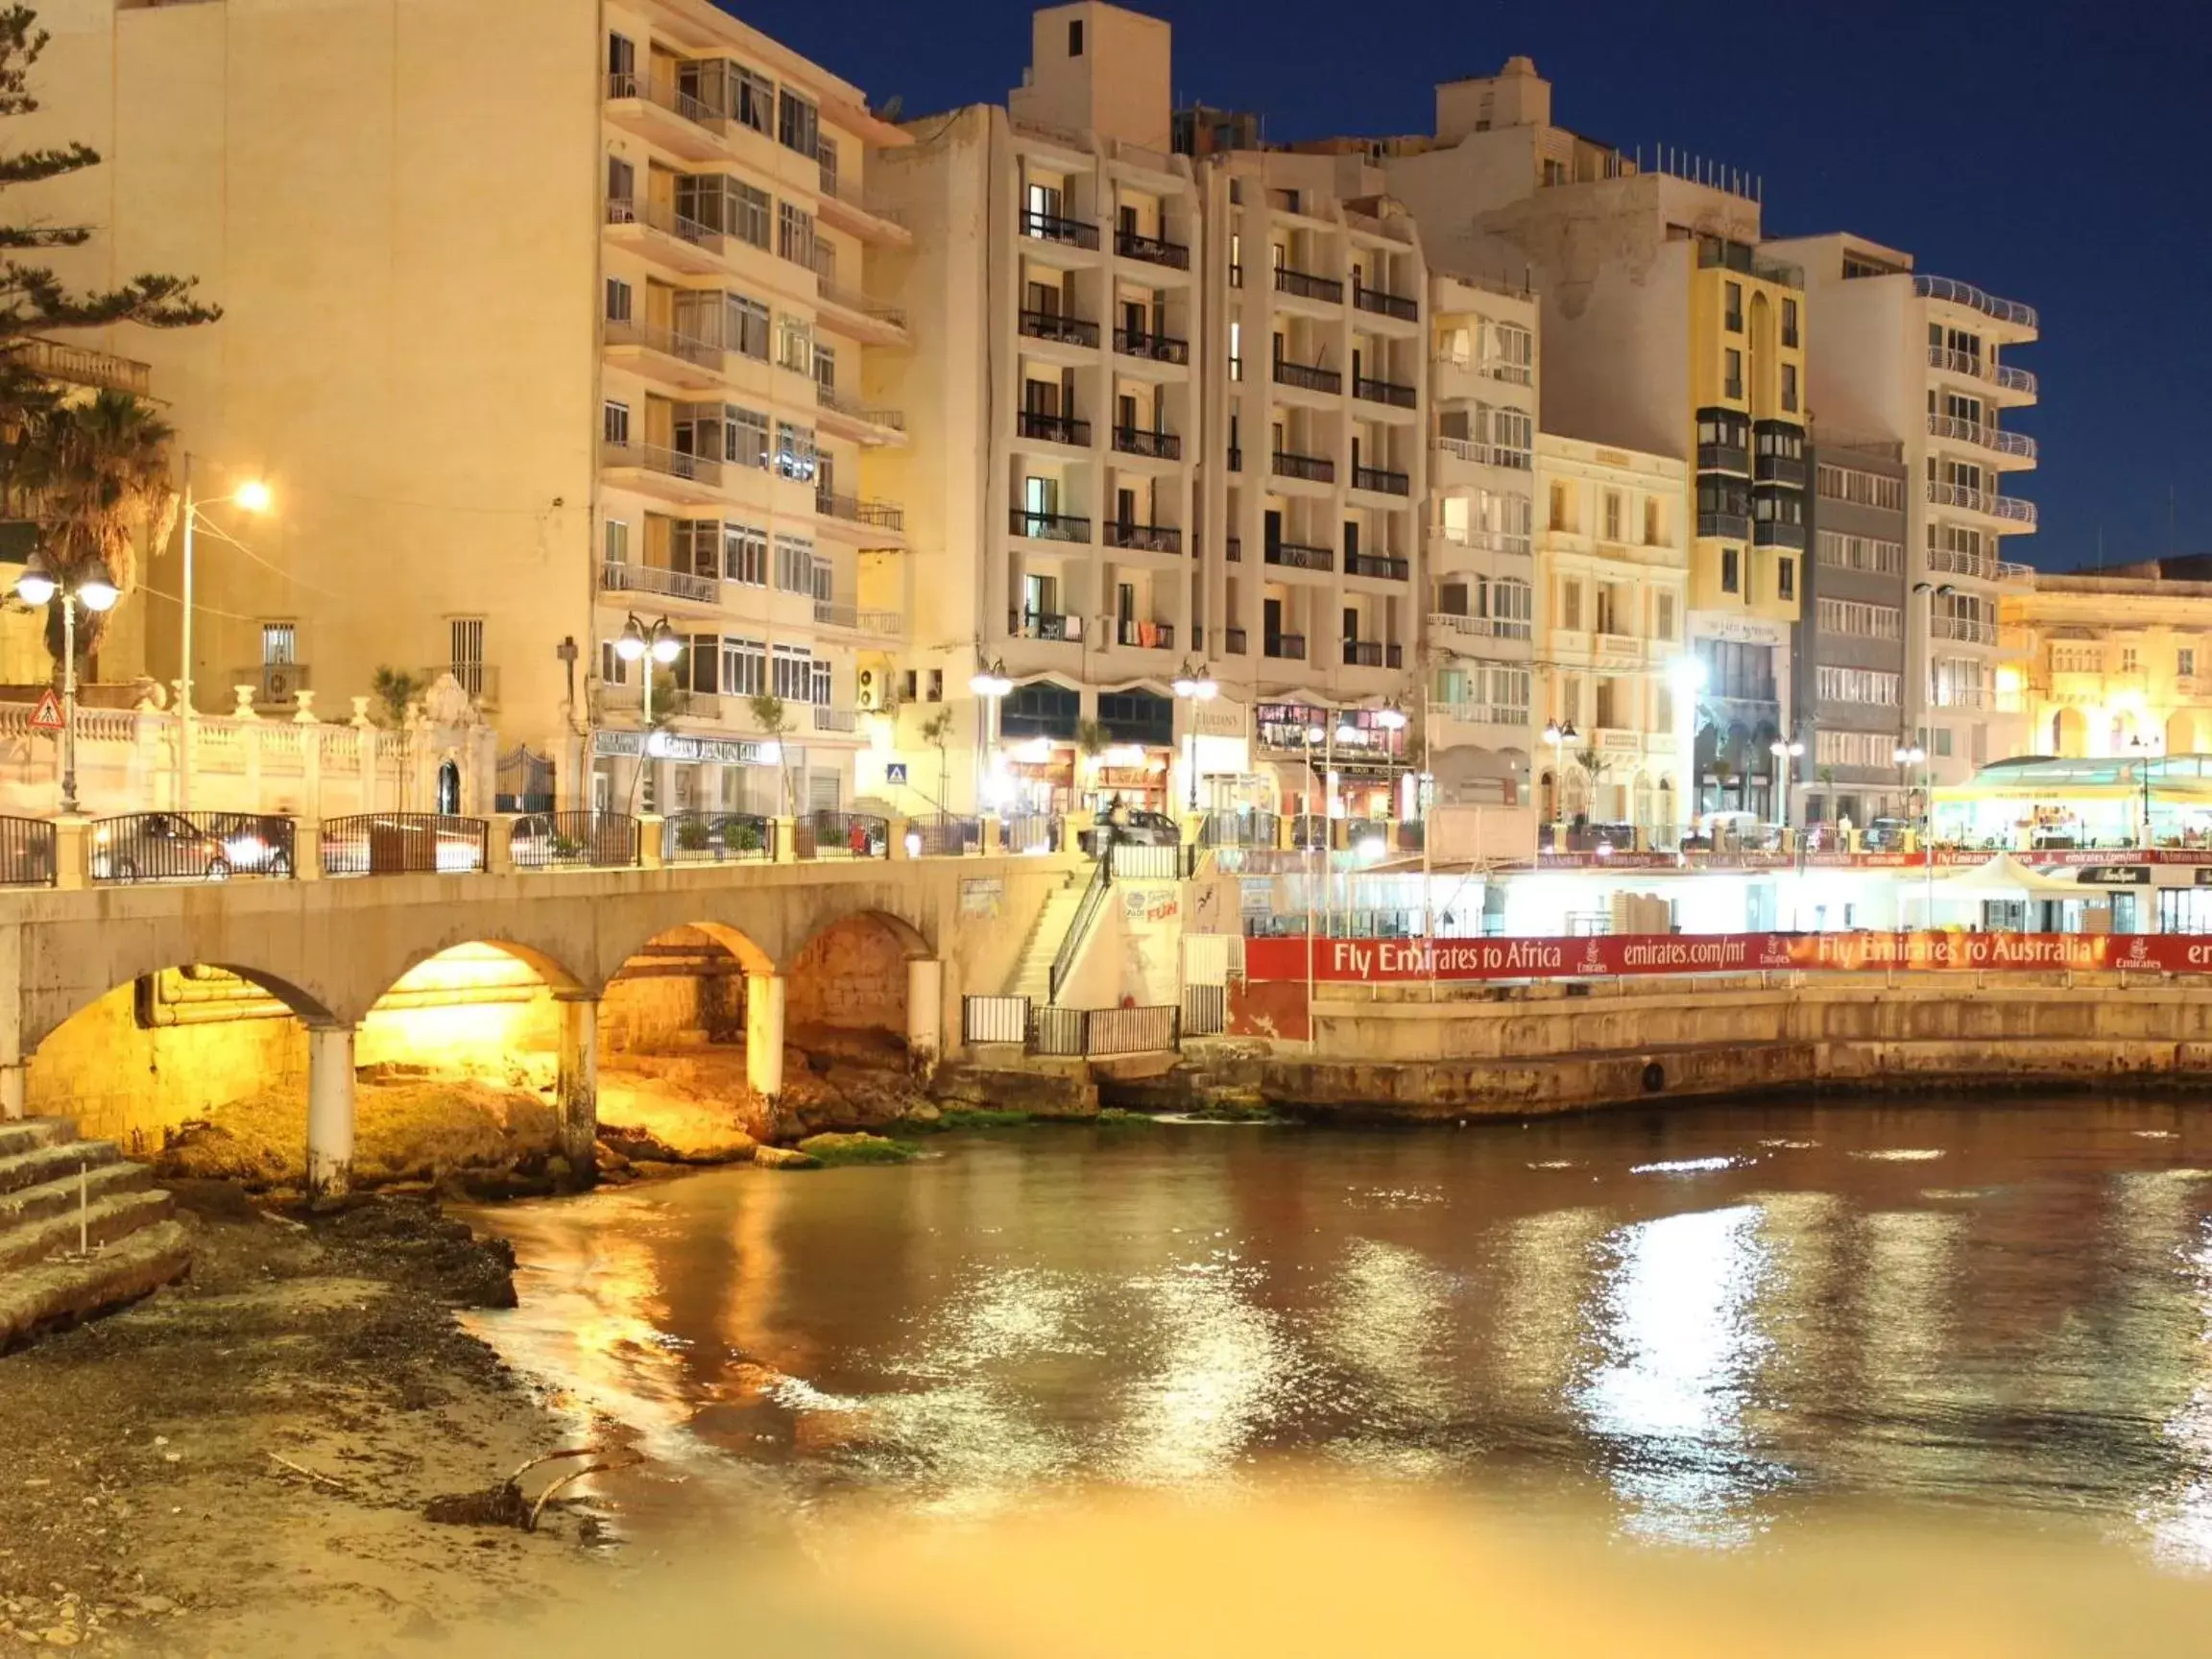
2056,154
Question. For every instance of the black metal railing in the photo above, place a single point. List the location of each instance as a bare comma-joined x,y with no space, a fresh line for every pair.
1306,377
1244,828
1313,469
994,1018
1148,538
1383,564
27,853
1030,832
1382,478
1385,392
1363,653
1387,304
187,847
1204,1010
1150,636
1053,228
573,840
1053,428
716,837
1308,286
1050,527
1300,557
1233,641
1130,1030
1724,458
1056,326
1086,910
1160,347
1233,549
1309,832
1140,441
404,844
1776,533
946,836
1052,625
1736,526
1291,647
1056,1031
825,833
1236,458
1153,249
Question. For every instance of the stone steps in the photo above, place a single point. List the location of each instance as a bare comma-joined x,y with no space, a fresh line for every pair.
48,1295
60,1197
103,1222
54,1162
28,1134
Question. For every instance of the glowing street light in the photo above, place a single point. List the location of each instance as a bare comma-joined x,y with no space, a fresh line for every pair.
1784,752
37,587
1194,685
250,497
1559,736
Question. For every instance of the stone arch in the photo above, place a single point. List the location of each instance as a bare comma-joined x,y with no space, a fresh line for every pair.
683,986
2069,734
557,978
43,1016
851,973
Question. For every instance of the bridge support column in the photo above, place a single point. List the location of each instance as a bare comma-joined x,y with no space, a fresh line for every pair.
12,1074
576,1088
764,1034
329,1110
924,1013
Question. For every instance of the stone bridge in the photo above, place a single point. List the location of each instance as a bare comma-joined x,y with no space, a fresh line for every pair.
330,948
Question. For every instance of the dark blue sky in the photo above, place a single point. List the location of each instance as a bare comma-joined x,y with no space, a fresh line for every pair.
2057,154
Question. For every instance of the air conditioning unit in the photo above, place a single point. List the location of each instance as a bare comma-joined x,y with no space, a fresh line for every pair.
871,694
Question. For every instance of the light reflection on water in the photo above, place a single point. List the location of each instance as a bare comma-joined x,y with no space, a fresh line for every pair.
1715,1318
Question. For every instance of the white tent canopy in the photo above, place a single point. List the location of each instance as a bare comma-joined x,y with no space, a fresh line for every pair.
2005,876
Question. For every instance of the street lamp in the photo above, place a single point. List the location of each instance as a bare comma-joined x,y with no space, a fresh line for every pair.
992,684
1194,685
637,641
1559,736
1907,756
2143,753
37,587
1784,752
1687,676
250,497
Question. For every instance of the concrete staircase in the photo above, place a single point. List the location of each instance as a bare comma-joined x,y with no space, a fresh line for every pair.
56,1190
1033,974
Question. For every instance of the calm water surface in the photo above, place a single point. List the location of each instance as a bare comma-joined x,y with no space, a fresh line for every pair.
1710,1321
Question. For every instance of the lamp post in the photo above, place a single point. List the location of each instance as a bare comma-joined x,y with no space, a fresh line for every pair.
2143,753
990,686
253,497
1907,756
1194,686
1784,751
1559,735
1686,675
637,641
91,588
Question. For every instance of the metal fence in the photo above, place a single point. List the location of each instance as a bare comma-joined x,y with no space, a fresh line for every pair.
1147,863
573,840
947,836
1204,1010
1086,1033
404,844
1056,1031
187,847
828,834
1309,831
26,853
994,1018
716,837
1086,910
1033,833
1243,828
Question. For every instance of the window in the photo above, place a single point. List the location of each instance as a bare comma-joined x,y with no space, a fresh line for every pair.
2186,663
1612,515
280,644
1734,377
465,639
618,541
756,99
1738,670
1790,388
748,214
794,565
1662,707
745,327
1841,552
613,670
1662,616
1836,482
795,234
1731,570
1514,353
621,55
2129,662
795,343
745,555
1734,318
615,423
697,670
1786,579
1942,743
796,124
792,673
1570,603
1788,322
1856,617
1562,515
1652,527
621,187
1075,38
821,685
1872,685
744,667
1235,350
795,455
745,440
1855,747
618,300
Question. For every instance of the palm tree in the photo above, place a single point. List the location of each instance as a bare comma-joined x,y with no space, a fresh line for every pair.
96,474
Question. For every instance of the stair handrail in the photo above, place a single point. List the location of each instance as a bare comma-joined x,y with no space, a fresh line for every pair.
1085,912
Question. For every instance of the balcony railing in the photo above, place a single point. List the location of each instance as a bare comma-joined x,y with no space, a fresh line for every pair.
1483,714
1480,627
1956,293
1307,287
1157,446
629,211
850,193
1779,470
666,341
1061,329
1968,628
1050,527
1147,636
626,577
1153,249
884,624
2010,571
1305,377
832,293
659,458
1486,454
2011,379
828,719
1044,625
1371,654
1489,367
1233,549
1052,228
883,515
1724,458
2008,507
1286,647
1776,533
1313,469
1160,347
1950,562
1053,428
1146,537
1297,557
1735,526
1383,304
1386,391
1486,541
1381,565
81,365
1233,641
275,684
669,97
1986,437
852,409
1382,479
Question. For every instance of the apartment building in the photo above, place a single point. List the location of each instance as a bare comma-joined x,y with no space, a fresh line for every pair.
2112,663
1925,361
1850,646
1613,579
1480,540
1667,332
533,334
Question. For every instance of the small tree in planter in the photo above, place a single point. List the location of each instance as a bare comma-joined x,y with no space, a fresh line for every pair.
395,690
774,719
937,732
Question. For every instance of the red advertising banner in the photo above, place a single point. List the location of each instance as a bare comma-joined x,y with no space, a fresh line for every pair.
2044,857
1340,961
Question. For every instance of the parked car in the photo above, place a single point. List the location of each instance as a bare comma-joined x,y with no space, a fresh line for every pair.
168,846
1886,835
1135,830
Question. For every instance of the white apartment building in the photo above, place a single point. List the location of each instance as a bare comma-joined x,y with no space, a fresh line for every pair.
1481,538
1612,604
1927,362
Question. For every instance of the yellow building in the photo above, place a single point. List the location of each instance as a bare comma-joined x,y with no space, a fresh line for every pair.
2115,665
531,330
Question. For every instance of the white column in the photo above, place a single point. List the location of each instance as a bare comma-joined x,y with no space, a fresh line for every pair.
924,1012
11,1079
329,1110
576,1090
764,1034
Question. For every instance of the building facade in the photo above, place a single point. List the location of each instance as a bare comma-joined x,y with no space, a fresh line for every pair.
1612,589
2112,664
1850,639
1926,362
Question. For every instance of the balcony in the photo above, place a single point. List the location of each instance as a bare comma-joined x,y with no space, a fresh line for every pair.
1954,292
1145,537
1484,541
1233,641
659,471
664,355
1486,454
828,719
1062,233
1724,458
1776,533
1779,470
1144,635
1050,527
1974,366
1152,445
1388,392
853,419
2008,571
854,619
664,236
853,510
1053,428
843,206
1372,654
1484,715
665,584
1059,329
2008,378
1950,562
1382,480
1051,626
1158,348
1306,378
1295,556
1480,627
2009,507
1383,566
1312,469
1287,647
849,312
1303,285
1233,549
662,113
1153,249
275,684
1728,526
80,365
1382,305
2012,444
1967,630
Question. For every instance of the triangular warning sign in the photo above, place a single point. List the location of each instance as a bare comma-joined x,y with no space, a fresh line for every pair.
47,716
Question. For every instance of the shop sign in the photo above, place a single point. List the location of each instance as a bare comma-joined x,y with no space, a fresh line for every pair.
2115,875
1219,718
676,746
1345,732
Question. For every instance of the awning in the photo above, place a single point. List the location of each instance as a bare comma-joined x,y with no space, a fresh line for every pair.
2006,877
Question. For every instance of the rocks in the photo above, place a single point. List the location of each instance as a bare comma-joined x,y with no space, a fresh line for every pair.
784,1158
854,1149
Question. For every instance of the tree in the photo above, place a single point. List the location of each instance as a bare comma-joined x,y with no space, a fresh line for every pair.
776,725
937,730
1595,765
97,474
396,691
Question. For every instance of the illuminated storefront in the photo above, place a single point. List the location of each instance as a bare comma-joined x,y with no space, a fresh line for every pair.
1334,762
2061,803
